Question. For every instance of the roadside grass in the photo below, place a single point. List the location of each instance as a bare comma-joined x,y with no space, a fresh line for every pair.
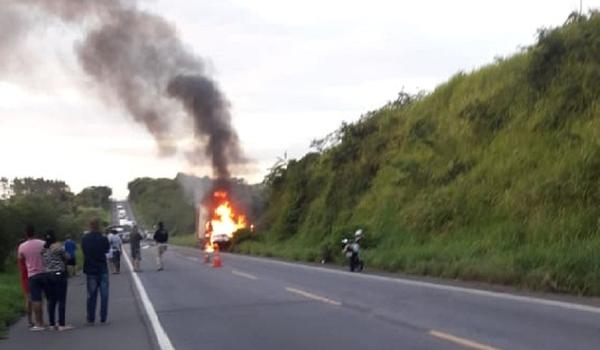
11,299
184,240
567,267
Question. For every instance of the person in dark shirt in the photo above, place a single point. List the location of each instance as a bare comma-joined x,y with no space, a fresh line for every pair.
95,246
161,237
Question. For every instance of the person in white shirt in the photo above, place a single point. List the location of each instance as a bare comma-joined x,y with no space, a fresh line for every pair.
116,245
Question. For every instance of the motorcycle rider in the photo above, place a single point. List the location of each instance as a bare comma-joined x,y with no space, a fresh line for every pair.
352,251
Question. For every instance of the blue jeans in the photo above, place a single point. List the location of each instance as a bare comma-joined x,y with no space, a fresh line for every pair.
95,283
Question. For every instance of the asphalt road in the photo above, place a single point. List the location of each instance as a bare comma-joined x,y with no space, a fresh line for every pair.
252,303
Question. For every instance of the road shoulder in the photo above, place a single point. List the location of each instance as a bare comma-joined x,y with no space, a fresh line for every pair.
126,327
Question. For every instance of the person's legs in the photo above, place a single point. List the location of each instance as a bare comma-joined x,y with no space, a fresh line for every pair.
159,257
29,310
71,267
117,261
161,250
103,297
61,297
36,288
92,294
52,299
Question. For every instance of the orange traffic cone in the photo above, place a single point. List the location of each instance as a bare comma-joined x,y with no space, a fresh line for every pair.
216,257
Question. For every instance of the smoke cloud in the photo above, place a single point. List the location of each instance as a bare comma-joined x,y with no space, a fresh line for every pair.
137,59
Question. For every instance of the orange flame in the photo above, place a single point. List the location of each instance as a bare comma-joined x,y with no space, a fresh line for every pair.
224,221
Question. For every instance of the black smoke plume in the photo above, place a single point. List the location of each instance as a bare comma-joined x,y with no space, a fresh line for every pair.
137,60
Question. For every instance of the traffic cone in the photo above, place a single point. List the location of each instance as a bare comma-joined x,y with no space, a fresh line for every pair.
216,257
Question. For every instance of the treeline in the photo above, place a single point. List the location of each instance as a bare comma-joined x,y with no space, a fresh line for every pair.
493,176
173,201
46,204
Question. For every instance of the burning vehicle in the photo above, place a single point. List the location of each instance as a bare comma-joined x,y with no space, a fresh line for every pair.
221,220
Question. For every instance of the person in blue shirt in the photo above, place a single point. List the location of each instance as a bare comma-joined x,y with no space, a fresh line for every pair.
71,249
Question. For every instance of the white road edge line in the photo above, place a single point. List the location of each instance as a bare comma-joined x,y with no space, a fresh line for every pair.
243,274
461,341
413,283
313,296
164,342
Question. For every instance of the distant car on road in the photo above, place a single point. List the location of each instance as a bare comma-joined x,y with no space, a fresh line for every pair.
123,231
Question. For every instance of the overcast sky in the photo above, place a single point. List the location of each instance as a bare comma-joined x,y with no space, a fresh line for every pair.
292,71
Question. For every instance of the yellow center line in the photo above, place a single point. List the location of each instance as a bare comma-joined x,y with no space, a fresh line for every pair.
461,341
313,296
243,274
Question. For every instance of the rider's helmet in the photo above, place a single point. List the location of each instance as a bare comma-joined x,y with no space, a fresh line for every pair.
358,234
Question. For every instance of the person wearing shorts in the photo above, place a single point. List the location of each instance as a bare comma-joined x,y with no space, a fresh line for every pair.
25,287
30,252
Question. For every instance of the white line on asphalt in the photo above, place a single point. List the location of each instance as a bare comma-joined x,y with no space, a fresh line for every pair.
313,296
243,274
192,258
164,342
413,283
461,341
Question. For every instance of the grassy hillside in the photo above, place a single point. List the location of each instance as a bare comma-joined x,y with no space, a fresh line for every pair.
493,176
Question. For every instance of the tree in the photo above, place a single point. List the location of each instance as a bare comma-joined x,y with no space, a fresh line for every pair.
95,196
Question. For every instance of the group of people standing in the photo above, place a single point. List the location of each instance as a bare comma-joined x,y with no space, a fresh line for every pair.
46,265
43,265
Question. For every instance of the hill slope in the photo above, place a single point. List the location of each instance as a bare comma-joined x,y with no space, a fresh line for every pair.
493,176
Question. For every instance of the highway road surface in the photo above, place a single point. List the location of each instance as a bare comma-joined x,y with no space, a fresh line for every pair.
253,303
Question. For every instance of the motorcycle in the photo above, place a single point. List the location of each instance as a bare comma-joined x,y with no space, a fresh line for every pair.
352,253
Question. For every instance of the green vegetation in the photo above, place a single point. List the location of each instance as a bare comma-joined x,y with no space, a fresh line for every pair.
493,176
155,200
44,204
185,240
11,299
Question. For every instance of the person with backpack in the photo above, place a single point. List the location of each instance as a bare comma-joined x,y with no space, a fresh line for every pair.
161,237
